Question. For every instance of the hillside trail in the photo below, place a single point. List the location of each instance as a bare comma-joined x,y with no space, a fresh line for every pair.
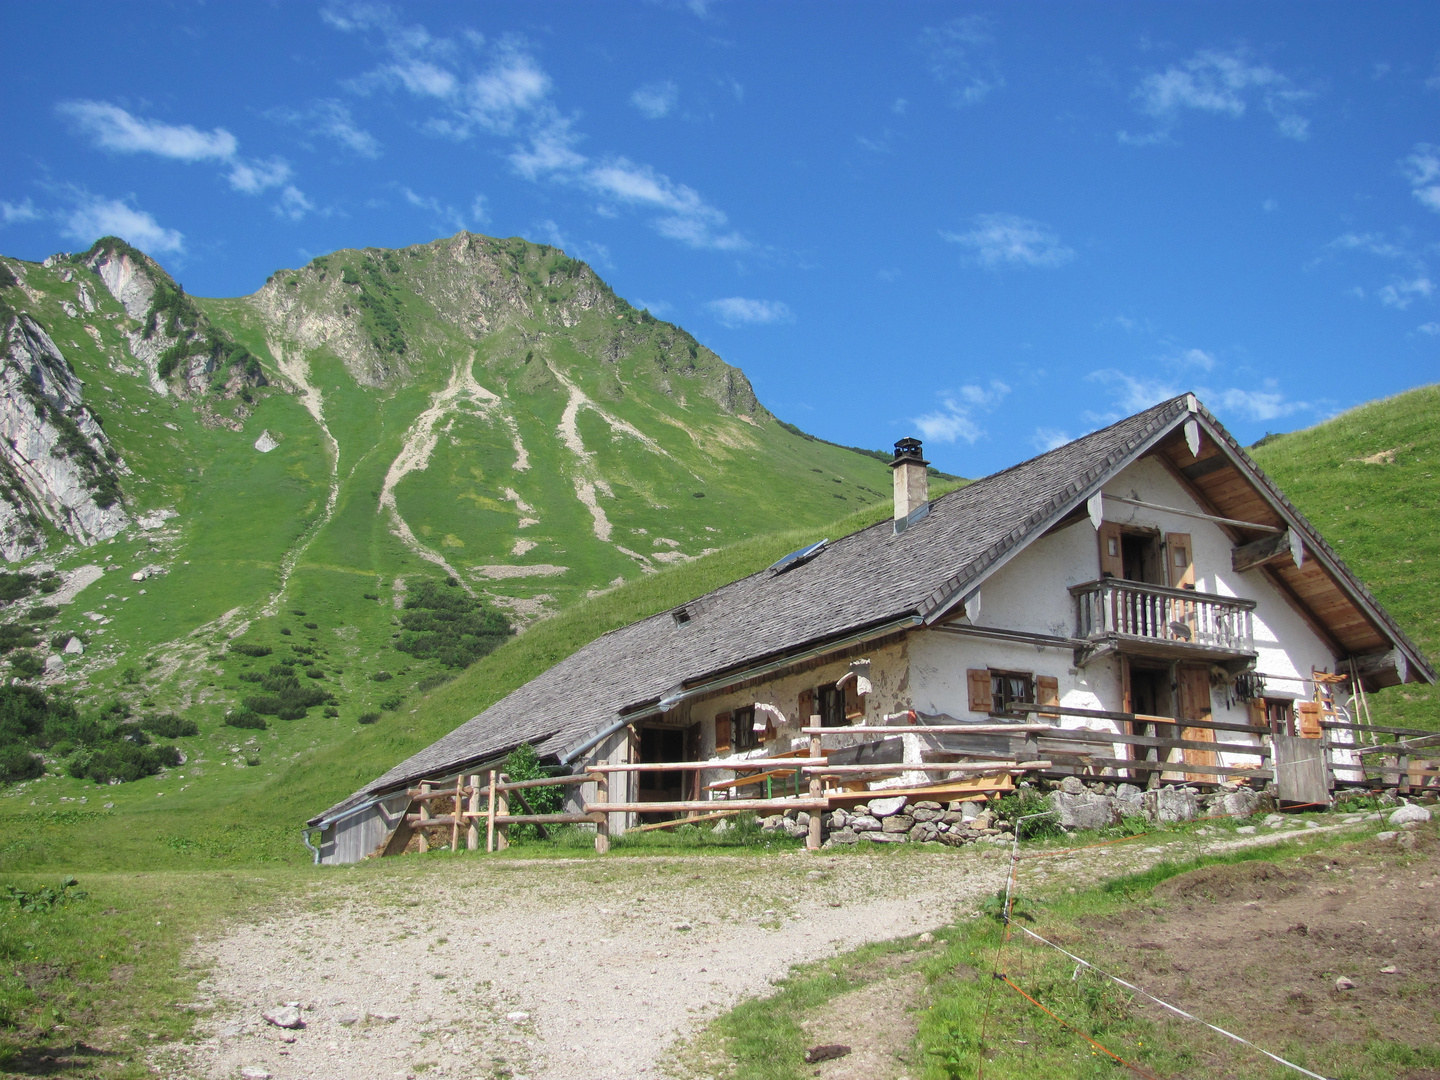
419,443
572,969
297,370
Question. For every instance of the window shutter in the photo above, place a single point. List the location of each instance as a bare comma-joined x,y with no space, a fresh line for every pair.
1179,560
722,733
1047,692
854,700
1111,561
1309,719
807,706
980,698
1259,716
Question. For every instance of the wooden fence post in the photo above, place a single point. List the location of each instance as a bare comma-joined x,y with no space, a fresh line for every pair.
459,803
602,827
812,840
490,817
1402,781
424,816
472,834
502,807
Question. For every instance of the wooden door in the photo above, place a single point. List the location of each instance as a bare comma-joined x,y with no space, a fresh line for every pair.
1194,685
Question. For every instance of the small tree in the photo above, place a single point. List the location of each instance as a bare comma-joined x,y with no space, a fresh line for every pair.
524,764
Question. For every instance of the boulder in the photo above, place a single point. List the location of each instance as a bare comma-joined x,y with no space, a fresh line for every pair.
1167,806
897,823
266,442
887,837
1410,812
864,823
953,817
838,819
1129,799
286,1016
971,810
1072,785
773,821
924,831
955,838
885,807
54,664
928,806
1084,810
1240,803
844,836
75,647
926,813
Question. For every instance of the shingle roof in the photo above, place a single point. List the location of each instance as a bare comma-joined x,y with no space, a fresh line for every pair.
861,580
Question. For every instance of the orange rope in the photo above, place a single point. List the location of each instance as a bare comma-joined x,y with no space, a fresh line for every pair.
1128,1064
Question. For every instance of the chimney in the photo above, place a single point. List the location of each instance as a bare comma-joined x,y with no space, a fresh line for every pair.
912,482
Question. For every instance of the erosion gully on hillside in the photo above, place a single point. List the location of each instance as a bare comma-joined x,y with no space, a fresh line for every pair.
590,968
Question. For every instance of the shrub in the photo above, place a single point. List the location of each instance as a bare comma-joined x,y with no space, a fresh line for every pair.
431,682
390,704
367,718
381,676
314,673
331,711
121,762
312,626
244,718
27,665
246,649
370,596
285,630
15,586
16,763
297,611
524,764
449,626
44,611
17,636
170,726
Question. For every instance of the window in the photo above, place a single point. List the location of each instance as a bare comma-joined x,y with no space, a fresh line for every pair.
1008,688
743,735
1280,716
832,705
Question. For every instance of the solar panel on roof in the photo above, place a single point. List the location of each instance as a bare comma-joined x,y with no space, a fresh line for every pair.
795,558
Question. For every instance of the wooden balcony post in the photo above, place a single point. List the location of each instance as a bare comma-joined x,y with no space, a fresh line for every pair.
490,816
424,817
502,808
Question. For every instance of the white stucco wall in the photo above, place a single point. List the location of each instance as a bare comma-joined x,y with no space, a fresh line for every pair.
1030,593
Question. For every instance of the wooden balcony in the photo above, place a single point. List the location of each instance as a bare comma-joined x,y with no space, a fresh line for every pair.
1139,619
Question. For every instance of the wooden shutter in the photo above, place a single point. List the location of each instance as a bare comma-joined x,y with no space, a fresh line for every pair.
1309,719
1179,560
1111,560
1259,715
807,706
854,700
980,698
722,733
1047,692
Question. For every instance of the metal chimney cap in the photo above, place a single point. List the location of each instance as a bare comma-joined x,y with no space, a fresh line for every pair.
908,450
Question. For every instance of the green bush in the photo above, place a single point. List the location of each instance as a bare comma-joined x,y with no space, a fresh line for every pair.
449,626
17,636
44,611
244,718
524,764
247,649
16,763
15,586
121,762
170,726
27,665
367,718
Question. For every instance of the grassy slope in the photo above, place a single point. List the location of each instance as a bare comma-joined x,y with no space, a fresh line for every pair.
1381,518
249,814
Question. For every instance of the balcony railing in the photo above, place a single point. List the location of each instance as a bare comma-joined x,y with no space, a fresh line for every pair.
1171,618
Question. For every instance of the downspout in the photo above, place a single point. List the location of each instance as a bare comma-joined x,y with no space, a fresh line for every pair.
595,740
305,836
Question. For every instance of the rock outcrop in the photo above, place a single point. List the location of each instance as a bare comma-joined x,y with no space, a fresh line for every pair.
56,463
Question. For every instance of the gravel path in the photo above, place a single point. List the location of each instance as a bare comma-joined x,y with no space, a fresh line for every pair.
561,970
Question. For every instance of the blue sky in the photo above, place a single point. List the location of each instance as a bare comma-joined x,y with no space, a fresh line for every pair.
994,227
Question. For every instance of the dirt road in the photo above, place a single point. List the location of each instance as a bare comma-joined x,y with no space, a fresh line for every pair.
563,970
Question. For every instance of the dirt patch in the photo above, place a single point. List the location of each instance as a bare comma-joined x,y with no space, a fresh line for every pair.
1261,946
877,1022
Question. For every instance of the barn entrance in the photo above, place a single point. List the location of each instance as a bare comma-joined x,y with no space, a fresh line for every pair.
659,744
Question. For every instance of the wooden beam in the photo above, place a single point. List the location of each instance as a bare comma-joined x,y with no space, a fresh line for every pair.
1234,522
1258,553
1389,668
1137,765
1102,714
683,821
684,805
743,764
935,729
1205,466
944,766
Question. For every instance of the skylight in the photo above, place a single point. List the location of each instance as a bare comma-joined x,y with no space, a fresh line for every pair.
795,558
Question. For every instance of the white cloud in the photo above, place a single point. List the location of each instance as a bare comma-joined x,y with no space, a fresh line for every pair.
253,177
594,254
734,311
656,100
961,54
1010,240
444,213
1401,294
1431,328
1132,395
479,210
94,217
1046,439
1268,404
955,419
332,120
1193,358
512,97
112,128
1422,169
293,204
12,213
1222,84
